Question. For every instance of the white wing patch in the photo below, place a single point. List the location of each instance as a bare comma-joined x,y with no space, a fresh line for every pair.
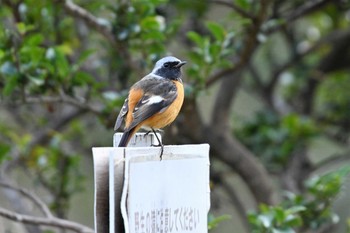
153,100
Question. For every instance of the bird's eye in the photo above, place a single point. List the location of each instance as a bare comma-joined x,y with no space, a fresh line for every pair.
166,65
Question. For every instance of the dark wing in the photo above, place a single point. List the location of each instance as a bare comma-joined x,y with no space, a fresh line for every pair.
122,114
158,96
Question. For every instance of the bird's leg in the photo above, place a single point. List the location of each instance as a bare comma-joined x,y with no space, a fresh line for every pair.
159,144
148,132
152,130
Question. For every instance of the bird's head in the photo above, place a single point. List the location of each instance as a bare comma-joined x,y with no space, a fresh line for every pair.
169,67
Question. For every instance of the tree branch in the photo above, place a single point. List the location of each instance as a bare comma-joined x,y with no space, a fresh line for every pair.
261,87
229,85
42,206
219,177
235,155
17,202
307,8
219,133
100,25
337,158
215,77
43,136
63,98
329,39
250,44
297,170
238,9
227,149
54,222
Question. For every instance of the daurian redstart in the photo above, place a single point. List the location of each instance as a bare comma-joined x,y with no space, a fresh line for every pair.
153,102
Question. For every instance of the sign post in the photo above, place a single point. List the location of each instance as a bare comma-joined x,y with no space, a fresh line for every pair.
152,195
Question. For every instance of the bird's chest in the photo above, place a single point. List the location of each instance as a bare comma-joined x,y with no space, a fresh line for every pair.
168,115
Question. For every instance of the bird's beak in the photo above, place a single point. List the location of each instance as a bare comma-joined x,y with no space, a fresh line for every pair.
181,64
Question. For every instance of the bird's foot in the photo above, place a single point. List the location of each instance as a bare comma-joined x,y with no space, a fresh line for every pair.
161,150
159,143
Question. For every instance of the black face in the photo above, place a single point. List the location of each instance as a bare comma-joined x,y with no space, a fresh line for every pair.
170,70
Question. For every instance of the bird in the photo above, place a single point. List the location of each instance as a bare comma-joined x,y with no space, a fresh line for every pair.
154,101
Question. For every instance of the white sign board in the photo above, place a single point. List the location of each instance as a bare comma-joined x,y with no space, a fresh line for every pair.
167,196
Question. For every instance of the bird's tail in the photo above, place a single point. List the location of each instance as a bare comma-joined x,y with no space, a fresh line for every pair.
126,137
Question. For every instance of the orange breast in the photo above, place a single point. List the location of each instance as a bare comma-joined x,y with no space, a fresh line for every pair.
163,119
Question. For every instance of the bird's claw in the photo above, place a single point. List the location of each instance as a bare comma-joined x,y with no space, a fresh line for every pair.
161,150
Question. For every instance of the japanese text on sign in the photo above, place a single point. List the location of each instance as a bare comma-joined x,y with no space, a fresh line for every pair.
166,220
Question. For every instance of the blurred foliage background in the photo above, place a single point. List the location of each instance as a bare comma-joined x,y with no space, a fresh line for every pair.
267,86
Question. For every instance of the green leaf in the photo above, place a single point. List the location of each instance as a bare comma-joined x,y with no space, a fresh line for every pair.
335,218
82,78
2,53
228,39
280,215
328,185
50,53
10,85
196,58
35,39
150,24
215,50
31,55
4,150
295,209
154,35
123,34
243,4
264,208
225,64
196,38
343,172
85,55
217,30
62,63
214,221
206,48
293,221
157,2
38,81
266,220
288,230
21,27
8,68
